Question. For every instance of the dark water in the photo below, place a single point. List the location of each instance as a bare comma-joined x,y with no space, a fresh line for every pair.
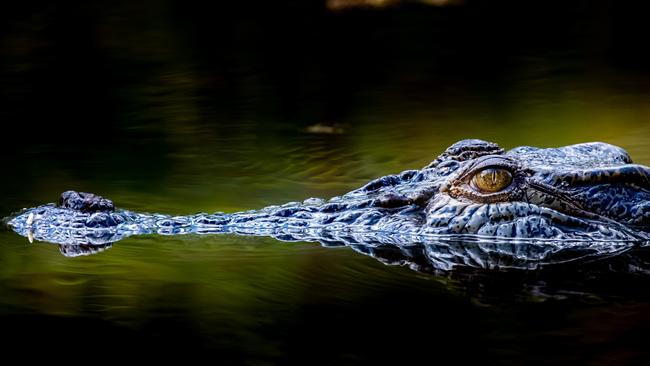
180,108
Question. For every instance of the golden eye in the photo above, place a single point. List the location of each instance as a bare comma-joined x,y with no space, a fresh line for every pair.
492,180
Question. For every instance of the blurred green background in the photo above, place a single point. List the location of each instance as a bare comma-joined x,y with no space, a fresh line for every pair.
180,107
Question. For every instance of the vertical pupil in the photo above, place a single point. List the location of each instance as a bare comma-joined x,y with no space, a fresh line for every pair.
492,179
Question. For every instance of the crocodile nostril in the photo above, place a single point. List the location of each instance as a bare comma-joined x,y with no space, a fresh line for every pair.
85,202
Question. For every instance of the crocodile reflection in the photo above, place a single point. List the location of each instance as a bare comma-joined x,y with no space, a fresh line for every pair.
438,254
474,205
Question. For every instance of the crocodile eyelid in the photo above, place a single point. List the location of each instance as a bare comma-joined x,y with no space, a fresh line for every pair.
497,162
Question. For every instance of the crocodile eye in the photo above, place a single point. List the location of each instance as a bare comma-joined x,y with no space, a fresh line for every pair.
491,180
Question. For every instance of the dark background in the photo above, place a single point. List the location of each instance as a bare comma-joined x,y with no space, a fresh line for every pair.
70,67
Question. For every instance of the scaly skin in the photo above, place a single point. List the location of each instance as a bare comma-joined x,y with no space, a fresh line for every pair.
586,196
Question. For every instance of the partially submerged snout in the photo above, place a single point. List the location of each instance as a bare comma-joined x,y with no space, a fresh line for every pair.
79,217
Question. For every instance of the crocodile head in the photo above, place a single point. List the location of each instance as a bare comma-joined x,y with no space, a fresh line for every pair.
589,191
473,190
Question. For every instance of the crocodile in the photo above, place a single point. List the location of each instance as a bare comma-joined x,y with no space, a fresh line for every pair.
475,202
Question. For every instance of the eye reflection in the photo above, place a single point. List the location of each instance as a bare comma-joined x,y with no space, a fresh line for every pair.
491,180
